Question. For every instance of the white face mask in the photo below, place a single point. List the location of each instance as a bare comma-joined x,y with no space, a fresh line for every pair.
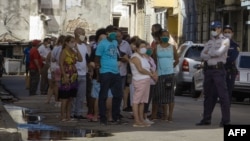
214,33
72,45
82,38
143,50
228,35
48,45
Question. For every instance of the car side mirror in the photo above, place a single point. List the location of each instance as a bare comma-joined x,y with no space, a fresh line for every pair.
197,66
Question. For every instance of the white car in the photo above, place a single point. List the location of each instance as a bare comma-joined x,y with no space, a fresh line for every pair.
189,55
242,82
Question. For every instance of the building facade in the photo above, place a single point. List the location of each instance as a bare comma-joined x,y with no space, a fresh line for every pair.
144,13
200,13
22,21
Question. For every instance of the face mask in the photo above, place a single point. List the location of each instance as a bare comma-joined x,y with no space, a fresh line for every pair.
214,33
72,45
112,36
143,50
149,52
164,39
82,38
152,34
228,35
48,45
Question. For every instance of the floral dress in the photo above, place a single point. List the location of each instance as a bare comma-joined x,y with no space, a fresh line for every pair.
67,90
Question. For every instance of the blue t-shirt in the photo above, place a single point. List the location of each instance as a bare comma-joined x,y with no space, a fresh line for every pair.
27,54
107,51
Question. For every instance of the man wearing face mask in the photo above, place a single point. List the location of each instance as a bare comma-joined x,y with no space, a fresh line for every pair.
78,101
44,50
215,55
232,55
107,60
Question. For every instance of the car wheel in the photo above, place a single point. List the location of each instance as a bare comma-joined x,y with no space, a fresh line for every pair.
239,99
178,90
194,93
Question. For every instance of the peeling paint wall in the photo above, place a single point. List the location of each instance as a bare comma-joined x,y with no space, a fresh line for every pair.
88,14
14,19
20,18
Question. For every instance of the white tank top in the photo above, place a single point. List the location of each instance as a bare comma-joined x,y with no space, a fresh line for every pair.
136,75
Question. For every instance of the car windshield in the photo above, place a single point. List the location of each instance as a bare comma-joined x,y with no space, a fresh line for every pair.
194,52
244,62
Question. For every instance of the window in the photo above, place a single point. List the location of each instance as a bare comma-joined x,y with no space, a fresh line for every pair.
194,52
161,17
116,21
244,62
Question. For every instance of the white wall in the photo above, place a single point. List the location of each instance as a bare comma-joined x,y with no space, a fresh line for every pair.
117,7
88,14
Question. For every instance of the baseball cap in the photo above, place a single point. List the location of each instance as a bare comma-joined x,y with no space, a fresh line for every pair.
36,42
227,27
215,24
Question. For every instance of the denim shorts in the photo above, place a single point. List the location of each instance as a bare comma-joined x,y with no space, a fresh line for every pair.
96,89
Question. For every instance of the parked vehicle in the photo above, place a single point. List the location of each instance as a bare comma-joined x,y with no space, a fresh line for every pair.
242,83
189,55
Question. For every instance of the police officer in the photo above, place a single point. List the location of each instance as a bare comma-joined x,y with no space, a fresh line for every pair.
232,55
215,55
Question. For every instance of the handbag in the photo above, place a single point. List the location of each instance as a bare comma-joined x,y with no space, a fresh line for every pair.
168,82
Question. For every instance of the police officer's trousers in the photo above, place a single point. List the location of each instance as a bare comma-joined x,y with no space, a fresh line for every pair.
214,87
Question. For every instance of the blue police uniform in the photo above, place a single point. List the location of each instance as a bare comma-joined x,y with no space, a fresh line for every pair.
215,55
230,66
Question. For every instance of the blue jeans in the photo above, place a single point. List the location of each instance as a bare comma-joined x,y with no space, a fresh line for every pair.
96,90
110,81
78,101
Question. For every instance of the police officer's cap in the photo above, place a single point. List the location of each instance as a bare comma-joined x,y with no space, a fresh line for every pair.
227,27
215,24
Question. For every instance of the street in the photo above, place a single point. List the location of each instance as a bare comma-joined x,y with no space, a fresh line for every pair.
187,112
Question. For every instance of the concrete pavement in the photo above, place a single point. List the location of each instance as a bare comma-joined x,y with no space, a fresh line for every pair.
186,114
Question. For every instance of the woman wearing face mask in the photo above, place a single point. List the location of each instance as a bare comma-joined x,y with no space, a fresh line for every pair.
141,75
152,83
68,87
166,57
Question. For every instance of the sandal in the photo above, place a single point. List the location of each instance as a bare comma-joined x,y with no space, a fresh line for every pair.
93,120
139,125
64,120
71,120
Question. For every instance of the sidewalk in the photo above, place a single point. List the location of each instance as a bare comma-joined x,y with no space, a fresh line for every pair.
8,131
182,129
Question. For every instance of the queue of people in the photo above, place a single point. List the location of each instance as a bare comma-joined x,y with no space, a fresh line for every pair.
115,72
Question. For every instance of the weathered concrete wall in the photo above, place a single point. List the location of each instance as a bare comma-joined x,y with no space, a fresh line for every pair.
14,18
88,14
21,18
117,7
